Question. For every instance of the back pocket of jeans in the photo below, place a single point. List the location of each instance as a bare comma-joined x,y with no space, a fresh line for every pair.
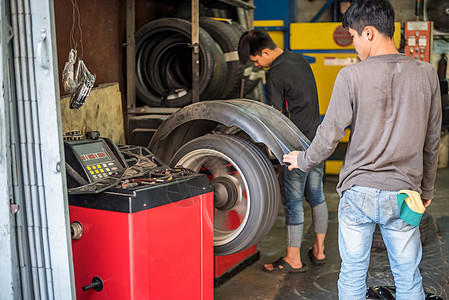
396,220
350,208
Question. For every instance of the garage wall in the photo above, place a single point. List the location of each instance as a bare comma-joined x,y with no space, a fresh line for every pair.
404,10
103,25
307,9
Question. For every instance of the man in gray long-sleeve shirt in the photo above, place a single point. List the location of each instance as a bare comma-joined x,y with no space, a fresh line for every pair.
393,107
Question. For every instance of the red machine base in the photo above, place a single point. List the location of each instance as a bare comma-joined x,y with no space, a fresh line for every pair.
226,267
165,252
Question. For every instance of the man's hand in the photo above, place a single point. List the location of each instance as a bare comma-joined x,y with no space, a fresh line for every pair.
426,202
291,159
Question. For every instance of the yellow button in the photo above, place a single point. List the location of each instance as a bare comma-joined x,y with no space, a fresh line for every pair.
93,167
92,172
98,166
96,171
101,170
89,168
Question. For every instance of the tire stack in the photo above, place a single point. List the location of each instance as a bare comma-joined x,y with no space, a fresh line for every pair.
164,62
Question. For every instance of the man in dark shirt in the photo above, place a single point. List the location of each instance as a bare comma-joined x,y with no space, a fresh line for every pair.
292,89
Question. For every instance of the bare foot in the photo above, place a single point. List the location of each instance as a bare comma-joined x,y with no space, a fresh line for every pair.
318,254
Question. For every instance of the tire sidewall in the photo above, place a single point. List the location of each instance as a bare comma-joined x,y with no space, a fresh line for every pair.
255,170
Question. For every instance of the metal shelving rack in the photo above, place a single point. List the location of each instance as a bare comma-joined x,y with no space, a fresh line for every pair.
244,11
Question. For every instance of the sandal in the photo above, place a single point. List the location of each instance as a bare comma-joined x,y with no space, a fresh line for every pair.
282,266
314,259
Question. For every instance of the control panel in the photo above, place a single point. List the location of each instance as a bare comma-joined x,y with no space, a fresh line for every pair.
97,158
95,164
93,159
418,39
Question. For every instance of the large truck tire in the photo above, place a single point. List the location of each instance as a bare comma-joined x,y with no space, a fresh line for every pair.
164,64
247,192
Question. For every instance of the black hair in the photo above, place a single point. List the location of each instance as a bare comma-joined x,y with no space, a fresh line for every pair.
376,13
253,42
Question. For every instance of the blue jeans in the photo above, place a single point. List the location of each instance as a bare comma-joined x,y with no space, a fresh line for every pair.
298,184
359,210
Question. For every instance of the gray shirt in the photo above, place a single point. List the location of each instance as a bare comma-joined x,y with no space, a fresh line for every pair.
392,105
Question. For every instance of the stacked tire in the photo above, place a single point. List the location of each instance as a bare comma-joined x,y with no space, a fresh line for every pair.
164,62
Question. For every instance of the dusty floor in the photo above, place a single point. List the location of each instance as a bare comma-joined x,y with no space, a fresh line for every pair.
320,282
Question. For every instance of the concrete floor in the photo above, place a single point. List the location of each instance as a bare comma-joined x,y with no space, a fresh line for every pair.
320,282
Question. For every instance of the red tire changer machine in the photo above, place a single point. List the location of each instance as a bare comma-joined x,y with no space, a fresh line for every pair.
140,230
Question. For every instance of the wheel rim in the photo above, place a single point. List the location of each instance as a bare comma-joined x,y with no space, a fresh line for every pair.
232,199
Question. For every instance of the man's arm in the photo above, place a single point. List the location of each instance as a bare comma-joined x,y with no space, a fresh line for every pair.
431,146
331,130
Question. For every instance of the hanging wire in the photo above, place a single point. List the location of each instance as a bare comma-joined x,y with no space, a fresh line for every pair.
76,19
79,83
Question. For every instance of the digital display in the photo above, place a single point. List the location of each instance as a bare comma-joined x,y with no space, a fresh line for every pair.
94,156
97,159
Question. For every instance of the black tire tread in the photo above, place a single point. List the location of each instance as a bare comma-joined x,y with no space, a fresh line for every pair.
259,171
228,38
213,68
